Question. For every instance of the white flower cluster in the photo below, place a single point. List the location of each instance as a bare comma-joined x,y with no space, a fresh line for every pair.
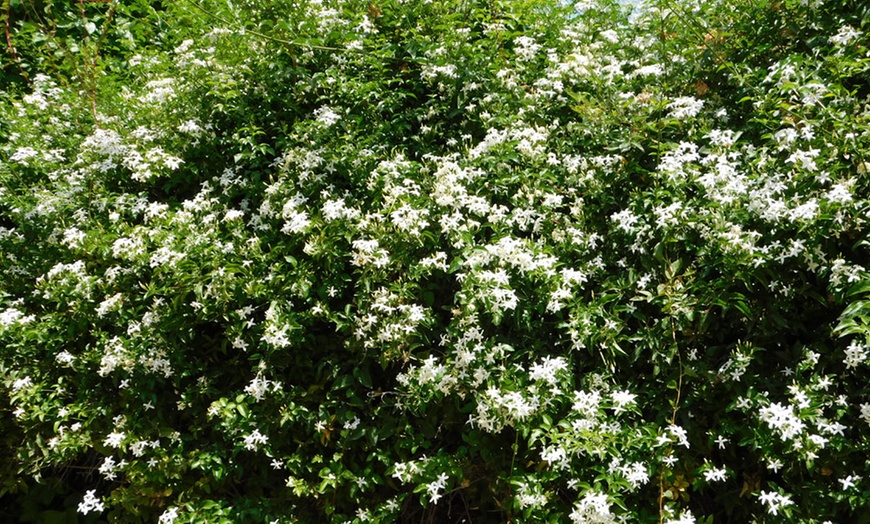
547,368
530,496
436,487
856,354
254,440
13,316
169,516
593,508
259,386
369,252
845,36
23,154
327,116
783,419
526,48
685,518
111,303
775,501
685,107
496,408
91,503
388,321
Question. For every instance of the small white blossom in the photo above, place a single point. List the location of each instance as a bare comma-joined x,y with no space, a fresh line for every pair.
114,440
546,369
775,502
845,36
168,516
326,116
593,508
622,400
91,503
856,354
685,518
255,440
436,487
715,475
685,107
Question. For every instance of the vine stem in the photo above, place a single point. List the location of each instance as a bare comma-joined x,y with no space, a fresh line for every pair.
680,378
673,419
514,448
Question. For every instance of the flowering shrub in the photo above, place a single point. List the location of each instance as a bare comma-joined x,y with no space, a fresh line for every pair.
395,261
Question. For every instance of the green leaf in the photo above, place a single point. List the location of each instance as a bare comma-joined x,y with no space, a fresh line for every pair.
363,376
859,288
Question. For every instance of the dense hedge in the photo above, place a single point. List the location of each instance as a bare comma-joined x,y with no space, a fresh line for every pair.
501,261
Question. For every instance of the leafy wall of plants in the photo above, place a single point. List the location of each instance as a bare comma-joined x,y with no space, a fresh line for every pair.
501,261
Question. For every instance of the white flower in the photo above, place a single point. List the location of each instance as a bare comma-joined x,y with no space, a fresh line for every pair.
163,256
685,518
435,487
160,91
65,358
555,455
774,501
297,222
782,419
114,440
526,48
255,440
680,434
110,304
109,466
849,482
431,370
685,107
22,154
593,508
126,247
234,214
438,261
856,354
625,220
168,516
774,465
191,127
326,116
431,72
546,370
804,159
586,403
715,475
21,383
258,387
621,400
336,209
649,70
635,473
369,252
530,497
91,503
846,35
411,220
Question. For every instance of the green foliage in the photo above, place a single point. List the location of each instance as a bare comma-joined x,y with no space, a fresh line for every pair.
403,261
